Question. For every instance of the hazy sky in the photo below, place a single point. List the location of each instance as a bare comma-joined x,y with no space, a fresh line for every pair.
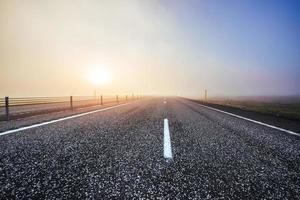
49,48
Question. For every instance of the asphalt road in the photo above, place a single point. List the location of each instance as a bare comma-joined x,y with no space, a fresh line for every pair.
118,154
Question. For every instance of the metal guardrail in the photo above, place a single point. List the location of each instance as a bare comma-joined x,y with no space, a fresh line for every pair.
66,102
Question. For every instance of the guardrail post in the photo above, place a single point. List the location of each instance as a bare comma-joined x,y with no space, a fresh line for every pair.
101,100
71,102
7,108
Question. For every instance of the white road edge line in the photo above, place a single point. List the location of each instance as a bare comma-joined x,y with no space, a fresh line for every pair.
167,142
251,120
59,120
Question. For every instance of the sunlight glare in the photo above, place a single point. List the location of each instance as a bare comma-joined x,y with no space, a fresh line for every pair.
99,76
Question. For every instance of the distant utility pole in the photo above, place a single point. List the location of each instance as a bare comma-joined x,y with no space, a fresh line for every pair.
205,97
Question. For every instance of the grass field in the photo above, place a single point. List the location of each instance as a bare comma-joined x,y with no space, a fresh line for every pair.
285,110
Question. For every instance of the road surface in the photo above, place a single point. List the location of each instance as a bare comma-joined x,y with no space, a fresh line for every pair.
119,154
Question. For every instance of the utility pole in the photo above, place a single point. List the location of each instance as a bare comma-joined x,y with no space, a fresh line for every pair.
205,97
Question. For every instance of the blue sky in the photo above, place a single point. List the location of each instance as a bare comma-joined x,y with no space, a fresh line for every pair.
245,35
244,31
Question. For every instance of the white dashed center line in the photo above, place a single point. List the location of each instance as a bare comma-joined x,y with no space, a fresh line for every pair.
167,142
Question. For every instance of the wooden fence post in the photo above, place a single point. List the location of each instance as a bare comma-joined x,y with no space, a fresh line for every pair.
7,108
71,102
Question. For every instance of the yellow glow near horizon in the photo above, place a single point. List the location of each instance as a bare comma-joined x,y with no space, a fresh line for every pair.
99,76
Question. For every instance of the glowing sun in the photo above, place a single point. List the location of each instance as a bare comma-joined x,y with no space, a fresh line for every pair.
99,76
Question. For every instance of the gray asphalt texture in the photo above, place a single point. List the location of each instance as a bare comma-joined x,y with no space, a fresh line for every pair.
118,154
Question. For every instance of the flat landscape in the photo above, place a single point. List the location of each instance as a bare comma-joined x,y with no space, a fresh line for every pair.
284,107
118,152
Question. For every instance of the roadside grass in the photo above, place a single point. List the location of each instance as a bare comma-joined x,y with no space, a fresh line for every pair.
285,110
